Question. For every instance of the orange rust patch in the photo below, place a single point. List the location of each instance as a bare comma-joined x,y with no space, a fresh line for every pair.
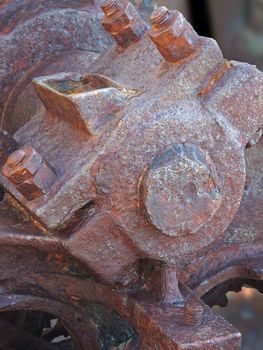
215,78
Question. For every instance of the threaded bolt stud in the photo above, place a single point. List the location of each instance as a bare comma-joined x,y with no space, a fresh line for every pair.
112,7
161,18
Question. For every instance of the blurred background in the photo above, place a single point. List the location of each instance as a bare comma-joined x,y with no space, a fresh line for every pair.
237,25
245,312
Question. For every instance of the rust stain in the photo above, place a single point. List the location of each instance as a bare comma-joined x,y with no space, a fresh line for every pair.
215,78
124,201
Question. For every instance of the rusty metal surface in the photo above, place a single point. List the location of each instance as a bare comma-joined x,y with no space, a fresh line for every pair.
49,37
131,179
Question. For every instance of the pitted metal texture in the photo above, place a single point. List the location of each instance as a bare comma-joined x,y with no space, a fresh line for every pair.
131,169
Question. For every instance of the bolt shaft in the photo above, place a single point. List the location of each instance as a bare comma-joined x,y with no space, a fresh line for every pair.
169,287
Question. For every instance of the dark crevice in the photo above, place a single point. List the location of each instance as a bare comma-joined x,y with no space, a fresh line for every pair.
80,217
200,17
114,330
30,330
2,194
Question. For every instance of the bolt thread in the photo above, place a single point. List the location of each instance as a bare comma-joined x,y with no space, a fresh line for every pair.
193,314
161,18
16,158
112,7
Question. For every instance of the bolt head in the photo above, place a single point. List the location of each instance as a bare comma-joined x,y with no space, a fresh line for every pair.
180,191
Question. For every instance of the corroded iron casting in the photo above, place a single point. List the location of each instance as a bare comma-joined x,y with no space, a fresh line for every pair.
131,176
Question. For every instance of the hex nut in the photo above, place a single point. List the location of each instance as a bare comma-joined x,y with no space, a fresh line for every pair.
29,172
123,22
172,34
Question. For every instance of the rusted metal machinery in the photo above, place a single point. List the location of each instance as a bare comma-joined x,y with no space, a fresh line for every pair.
131,180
